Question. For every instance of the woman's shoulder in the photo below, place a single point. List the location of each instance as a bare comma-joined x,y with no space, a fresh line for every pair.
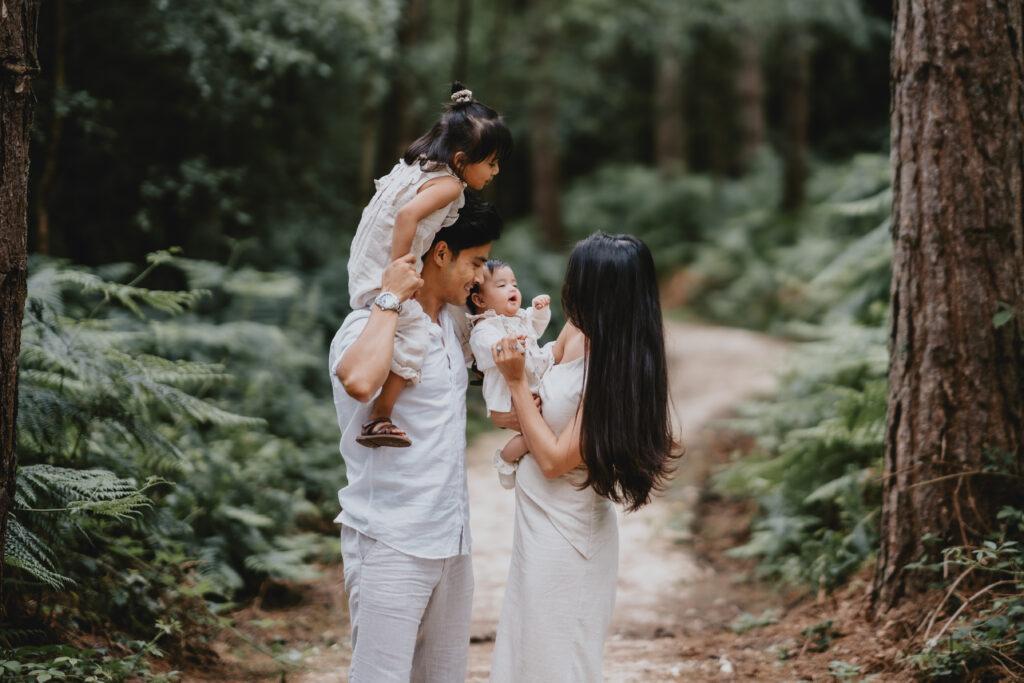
570,334
571,344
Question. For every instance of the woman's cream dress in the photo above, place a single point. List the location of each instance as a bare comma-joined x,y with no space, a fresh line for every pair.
565,561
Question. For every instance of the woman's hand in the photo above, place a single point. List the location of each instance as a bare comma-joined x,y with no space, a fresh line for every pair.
509,355
400,277
510,420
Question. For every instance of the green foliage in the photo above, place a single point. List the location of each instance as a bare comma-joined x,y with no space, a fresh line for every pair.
747,622
265,119
845,671
828,263
146,485
31,664
816,473
668,213
819,636
821,277
985,633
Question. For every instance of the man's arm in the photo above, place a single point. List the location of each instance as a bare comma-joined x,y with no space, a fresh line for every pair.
365,364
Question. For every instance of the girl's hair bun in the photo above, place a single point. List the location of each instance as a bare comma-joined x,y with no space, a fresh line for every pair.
461,94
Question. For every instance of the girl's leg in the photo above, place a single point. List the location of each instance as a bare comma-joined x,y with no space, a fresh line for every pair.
385,402
380,431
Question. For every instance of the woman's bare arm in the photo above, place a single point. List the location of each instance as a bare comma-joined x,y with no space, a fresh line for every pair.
555,454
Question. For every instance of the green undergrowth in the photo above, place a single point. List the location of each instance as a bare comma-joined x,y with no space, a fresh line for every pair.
176,449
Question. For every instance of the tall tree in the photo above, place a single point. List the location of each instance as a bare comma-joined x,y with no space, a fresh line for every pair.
460,63
795,111
545,171
56,132
18,63
956,404
669,61
398,126
749,98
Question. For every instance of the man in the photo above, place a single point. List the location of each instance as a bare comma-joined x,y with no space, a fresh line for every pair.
405,511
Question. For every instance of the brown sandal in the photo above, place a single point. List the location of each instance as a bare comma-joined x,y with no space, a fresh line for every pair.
382,432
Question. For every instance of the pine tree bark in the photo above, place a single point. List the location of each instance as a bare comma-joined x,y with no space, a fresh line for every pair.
18,63
956,404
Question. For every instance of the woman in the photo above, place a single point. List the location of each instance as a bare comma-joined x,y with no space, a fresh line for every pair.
604,437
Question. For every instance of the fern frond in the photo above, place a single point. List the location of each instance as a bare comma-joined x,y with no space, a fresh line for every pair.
95,491
131,297
26,551
288,559
199,273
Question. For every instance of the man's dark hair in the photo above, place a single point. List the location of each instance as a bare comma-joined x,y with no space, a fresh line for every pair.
478,224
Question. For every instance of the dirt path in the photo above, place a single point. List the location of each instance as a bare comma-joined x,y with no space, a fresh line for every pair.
666,599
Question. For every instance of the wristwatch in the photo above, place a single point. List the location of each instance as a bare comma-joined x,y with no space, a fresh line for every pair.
387,301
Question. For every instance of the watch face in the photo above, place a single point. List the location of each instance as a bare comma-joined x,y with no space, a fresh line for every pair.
387,301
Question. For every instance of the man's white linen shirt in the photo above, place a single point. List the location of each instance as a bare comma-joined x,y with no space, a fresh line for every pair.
413,499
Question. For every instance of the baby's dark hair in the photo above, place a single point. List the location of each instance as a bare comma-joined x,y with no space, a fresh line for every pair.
491,266
466,126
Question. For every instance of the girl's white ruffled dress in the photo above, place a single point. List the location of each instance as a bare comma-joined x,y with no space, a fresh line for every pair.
370,254
565,562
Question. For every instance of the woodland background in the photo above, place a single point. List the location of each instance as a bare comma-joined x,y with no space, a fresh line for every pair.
198,169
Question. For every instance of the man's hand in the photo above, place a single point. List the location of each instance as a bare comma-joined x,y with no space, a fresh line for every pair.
541,301
400,277
510,420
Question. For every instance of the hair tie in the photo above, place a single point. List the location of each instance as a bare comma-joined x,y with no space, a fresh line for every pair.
462,96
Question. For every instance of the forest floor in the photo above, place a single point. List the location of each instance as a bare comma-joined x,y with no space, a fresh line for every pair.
684,610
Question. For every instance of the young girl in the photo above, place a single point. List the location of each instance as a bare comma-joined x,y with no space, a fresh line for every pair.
422,194
496,303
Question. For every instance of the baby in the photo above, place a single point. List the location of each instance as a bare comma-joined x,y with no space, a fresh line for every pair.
497,313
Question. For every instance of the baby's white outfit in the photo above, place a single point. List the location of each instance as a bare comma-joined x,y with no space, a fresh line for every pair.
370,254
490,327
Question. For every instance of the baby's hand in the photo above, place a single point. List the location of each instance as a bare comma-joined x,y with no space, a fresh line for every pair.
541,301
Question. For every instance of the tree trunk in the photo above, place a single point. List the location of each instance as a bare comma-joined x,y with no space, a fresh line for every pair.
956,405
18,62
460,64
42,194
794,125
367,146
496,54
398,117
669,135
544,158
749,100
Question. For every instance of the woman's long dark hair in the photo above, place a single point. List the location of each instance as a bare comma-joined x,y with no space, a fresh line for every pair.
469,127
611,295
